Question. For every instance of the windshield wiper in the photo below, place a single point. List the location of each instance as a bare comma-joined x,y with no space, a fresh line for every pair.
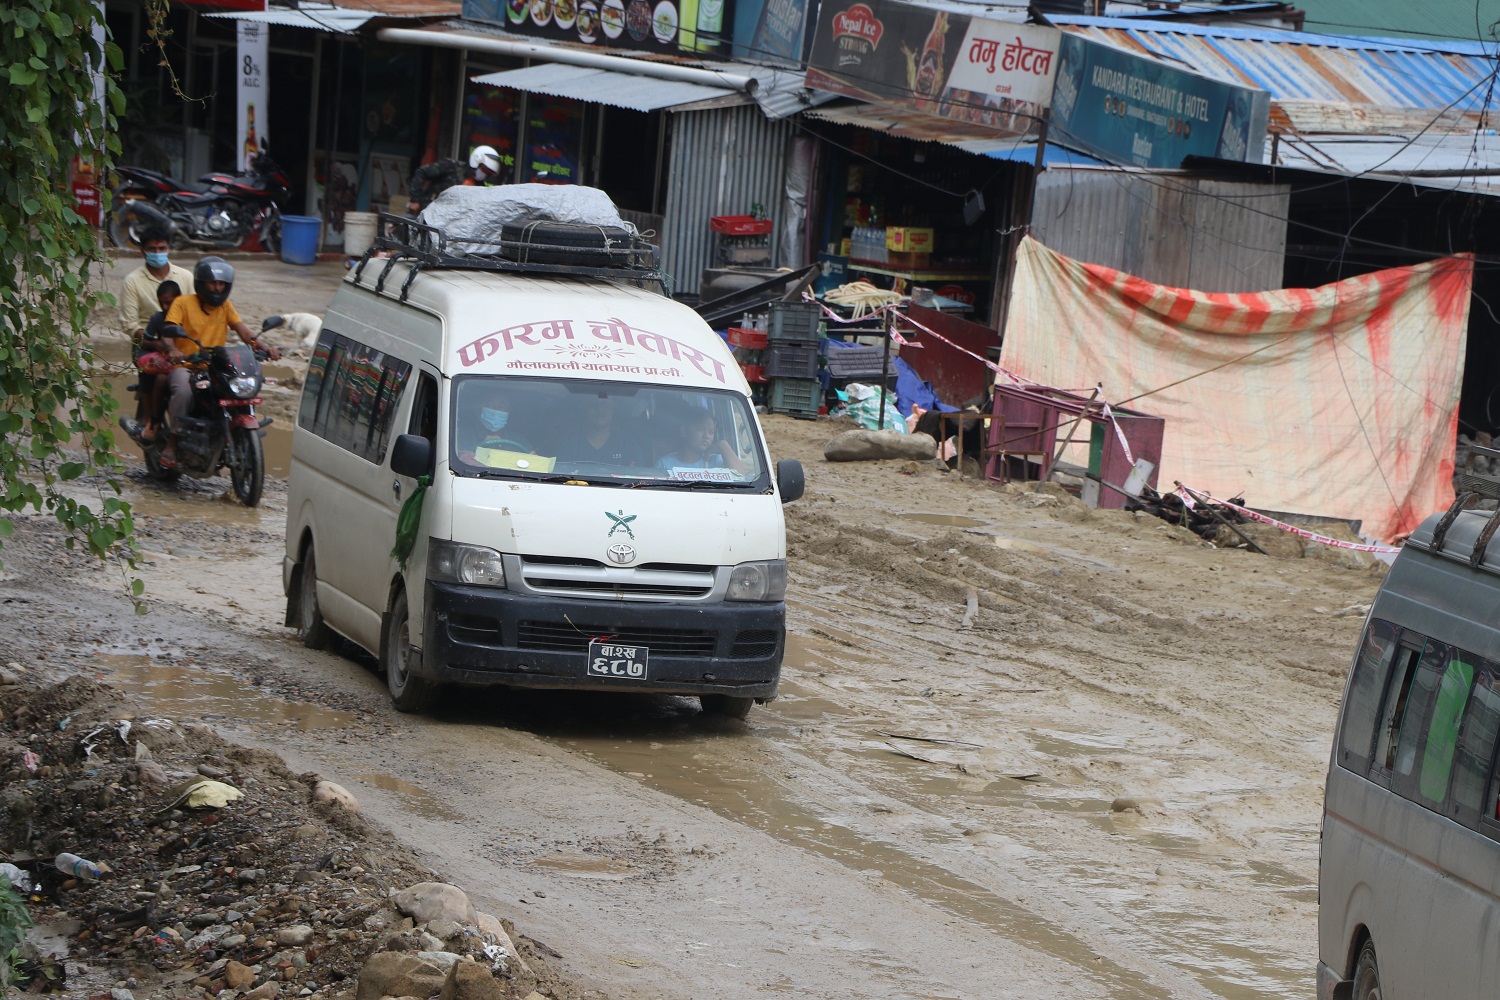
690,484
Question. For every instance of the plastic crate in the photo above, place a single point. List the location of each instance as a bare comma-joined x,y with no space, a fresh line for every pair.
799,397
739,225
792,360
854,362
795,322
754,373
753,340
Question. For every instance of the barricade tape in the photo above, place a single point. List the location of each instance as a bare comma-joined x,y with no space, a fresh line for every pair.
1187,493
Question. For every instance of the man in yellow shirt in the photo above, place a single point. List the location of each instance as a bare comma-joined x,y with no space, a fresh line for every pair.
207,316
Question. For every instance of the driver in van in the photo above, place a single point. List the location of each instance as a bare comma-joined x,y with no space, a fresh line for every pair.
485,421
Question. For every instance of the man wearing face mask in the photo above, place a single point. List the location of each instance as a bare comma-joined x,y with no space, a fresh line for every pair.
138,292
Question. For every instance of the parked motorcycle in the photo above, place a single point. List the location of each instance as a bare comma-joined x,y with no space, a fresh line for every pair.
220,429
221,212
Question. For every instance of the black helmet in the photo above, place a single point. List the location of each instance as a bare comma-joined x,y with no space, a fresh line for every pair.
213,269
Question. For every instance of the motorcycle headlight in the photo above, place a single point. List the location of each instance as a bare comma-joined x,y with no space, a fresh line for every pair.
758,581
243,386
452,562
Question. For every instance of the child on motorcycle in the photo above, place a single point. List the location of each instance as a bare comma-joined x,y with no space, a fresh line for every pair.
153,362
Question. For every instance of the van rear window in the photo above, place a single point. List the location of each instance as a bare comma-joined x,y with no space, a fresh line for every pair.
599,431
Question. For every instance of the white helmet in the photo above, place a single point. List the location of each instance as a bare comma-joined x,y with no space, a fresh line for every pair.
485,158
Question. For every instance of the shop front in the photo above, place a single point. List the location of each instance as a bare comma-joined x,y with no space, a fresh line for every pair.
672,144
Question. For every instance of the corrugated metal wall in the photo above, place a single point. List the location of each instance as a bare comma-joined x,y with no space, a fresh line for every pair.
723,162
1188,232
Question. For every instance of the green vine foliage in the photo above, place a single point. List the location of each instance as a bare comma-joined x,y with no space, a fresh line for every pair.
55,412
14,919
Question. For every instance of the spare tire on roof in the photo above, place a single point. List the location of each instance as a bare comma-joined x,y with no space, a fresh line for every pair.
574,243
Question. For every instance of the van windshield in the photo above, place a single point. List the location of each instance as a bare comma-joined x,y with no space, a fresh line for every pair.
640,435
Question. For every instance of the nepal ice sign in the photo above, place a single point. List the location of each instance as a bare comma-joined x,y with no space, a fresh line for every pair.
1141,112
991,73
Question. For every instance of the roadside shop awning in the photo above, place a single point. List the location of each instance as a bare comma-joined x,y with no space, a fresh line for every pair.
317,16
602,86
970,138
621,80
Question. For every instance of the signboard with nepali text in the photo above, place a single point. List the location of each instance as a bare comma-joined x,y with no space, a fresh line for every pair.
996,74
1131,110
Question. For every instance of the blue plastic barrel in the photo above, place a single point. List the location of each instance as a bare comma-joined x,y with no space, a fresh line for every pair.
299,239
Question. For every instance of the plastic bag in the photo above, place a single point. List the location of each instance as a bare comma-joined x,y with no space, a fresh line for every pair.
864,407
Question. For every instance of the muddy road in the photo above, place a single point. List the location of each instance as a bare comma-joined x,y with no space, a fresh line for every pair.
1107,785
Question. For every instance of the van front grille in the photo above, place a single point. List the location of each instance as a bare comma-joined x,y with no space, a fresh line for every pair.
563,637
588,578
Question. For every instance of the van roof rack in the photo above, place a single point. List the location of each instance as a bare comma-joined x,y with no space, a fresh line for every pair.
528,251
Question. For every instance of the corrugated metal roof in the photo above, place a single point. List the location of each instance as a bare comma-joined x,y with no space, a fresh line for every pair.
1298,66
1451,162
602,86
318,16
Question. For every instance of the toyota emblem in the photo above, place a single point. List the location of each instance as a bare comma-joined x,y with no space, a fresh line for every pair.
621,554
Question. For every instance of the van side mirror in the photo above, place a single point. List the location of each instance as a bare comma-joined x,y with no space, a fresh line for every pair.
790,479
411,456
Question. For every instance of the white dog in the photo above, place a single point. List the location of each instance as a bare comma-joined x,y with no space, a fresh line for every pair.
305,325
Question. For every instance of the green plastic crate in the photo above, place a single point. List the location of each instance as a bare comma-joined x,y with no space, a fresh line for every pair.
799,397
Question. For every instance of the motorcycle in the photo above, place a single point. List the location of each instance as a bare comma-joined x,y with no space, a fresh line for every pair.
221,212
220,429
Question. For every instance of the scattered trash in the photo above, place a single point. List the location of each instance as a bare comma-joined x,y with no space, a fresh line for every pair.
67,721
18,879
30,761
204,793
72,864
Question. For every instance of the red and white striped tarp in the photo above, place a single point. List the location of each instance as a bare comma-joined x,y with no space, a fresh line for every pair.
1340,400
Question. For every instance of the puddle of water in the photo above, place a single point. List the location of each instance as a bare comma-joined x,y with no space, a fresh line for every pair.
185,691
586,866
417,797
114,356
946,520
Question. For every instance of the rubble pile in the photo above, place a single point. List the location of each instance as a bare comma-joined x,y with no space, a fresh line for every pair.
222,872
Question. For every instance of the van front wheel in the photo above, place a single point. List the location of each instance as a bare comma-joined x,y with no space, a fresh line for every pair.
409,693
726,705
1367,975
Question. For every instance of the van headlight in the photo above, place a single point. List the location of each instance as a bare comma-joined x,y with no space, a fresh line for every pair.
243,386
758,581
451,562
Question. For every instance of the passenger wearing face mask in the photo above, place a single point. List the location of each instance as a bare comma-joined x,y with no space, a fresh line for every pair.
138,292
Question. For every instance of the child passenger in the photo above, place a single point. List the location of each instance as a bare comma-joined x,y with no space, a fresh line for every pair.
701,447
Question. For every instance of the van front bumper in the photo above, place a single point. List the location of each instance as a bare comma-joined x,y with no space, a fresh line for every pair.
481,635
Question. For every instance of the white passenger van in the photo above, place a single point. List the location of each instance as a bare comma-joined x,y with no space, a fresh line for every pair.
1409,877
602,512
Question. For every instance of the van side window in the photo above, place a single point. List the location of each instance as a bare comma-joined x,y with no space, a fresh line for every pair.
1476,746
1442,729
423,421
1413,732
1393,711
1372,668
351,394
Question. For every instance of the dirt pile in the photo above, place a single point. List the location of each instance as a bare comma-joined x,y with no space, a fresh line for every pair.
271,895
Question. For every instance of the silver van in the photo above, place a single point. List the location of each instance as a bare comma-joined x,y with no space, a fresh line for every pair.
1409,875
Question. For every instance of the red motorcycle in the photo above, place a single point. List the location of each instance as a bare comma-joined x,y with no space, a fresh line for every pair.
221,212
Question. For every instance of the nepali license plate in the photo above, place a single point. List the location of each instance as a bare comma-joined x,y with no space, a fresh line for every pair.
617,660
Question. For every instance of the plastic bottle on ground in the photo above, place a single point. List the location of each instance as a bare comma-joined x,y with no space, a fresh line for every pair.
72,864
